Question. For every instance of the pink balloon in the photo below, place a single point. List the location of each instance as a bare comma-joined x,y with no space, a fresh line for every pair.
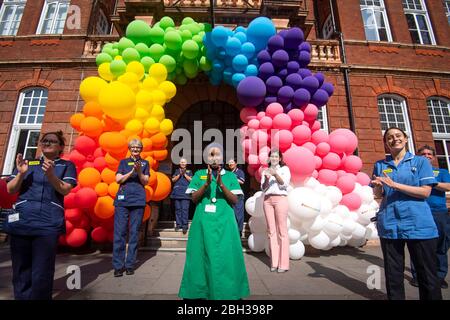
310,146
247,114
341,173
253,124
283,140
310,112
315,174
258,176
265,122
300,162
318,162
305,123
331,161
282,122
346,184
352,140
316,126
296,116
322,149
253,160
263,157
251,170
265,149
260,115
352,164
273,109
352,201
338,143
301,134
351,176
327,177
260,137
246,145
362,178
319,136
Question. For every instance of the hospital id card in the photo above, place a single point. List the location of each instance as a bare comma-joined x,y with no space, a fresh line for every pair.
13,217
210,208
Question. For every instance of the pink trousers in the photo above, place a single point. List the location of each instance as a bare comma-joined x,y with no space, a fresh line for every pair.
276,213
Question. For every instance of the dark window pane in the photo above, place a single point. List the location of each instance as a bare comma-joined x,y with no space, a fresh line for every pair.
426,39
414,36
383,34
439,146
442,163
411,22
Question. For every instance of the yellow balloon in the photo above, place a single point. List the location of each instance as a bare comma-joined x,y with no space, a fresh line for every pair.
152,125
158,71
141,114
90,88
144,97
150,84
158,112
104,72
118,58
136,68
130,79
117,100
134,126
166,126
168,88
159,97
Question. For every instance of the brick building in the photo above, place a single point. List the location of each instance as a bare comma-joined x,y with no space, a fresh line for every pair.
388,59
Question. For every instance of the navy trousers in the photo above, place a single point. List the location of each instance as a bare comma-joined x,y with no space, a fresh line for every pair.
126,219
239,212
33,262
440,218
182,212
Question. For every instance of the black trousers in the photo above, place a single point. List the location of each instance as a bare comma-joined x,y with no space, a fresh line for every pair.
33,263
423,255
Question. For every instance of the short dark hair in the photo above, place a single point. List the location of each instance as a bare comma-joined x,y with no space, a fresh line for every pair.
427,147
397,128
59,135
279,153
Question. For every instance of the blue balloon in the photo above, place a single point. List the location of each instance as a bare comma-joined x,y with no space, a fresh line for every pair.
283,73
285,94
241,36
211,53
251,70
294,37
237,78
222,53
218,66
320,98
207,41
219,36
228,61
227,74
240,62
233,46
293,67
240,29
248,49
259,31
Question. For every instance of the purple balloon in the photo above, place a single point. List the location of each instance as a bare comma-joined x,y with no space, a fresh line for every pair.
285,94
292,67
301,97
294,37
266,70
319,76
311,84
264,56
288,107
293,54
294,80
283,33
328,87
280,58
320,98
273,84
304,46
282,74
269,99
304,73
251,91
304,58
275,43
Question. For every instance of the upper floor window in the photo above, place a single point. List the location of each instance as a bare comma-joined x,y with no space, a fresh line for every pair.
376,25
102,25
322,118
447,9
419,24
53,17
327,29
10,15
439,112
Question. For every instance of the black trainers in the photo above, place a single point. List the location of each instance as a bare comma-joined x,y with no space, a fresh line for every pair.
414,282
444,284
129,271
118,272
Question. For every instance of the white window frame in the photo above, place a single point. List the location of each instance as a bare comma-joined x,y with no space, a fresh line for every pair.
16,4
382,10
447,10
324,124
424,12
15,132
54,19
405,114
440,135
327,28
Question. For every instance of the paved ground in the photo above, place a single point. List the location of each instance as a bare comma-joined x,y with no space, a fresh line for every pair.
337,274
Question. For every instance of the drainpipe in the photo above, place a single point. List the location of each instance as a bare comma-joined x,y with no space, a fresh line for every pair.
211,4
345,70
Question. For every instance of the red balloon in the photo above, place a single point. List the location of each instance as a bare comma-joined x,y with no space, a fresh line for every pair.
99,234
247,114
85,145
346,184
260,115
352,140
99,152
73,215
265,122
69,227
352,201
310,146
62,240
282,140
86,198
322,149
77,158
100,163
6,199
327,177
253,124
318,162
310,112
69,201
316,126
76,238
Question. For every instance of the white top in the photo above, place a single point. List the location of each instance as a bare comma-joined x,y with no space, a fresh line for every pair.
274,187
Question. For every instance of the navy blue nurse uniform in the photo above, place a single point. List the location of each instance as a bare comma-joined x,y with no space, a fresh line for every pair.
35,227
129,205
182,200
239,206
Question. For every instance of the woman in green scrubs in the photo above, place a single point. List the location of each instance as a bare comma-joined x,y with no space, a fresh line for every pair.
214,267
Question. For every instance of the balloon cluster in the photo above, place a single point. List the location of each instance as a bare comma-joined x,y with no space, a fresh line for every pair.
283,77
233,53
179,49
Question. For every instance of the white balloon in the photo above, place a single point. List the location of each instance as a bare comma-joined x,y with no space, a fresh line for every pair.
295,222
359,232
371,232
304,203
250,205
366,195
304,238
353,215
342,211
335,242
326,206
348,226
256,242
288,222
356,242
319,240
365,213
334,195
257,225
334,225
374,204
294,235
358,188
321,189
296,250
343,242
311,182
314,225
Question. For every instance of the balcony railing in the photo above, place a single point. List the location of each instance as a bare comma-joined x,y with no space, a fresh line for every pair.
253,4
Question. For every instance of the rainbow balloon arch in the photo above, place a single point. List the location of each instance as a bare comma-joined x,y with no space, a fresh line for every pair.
330,202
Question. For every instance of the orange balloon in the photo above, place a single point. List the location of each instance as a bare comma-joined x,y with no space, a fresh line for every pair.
163,187
155,165
91,126
159,140
113,188
101,189
153,179
108,176
112,162
148,193
147,144
160,155
93,109
113,142
104,208
111,124
126,133
75,120
150,160
89,177
147,213
145,134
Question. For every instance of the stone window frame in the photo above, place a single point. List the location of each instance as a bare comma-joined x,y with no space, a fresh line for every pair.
327,28
54,29
16,5
376,6
440,137
415,12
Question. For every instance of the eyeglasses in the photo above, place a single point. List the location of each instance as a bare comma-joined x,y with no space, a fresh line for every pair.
45,141
136,147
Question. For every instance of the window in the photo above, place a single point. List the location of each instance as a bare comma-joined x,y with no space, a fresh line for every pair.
393,113
26,127
327,29
102,25
439,112
419,24
10,16
375,20
322,118
447,9
53,17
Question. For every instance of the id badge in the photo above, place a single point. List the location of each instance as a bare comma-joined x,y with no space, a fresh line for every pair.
13,217
210,208
120,197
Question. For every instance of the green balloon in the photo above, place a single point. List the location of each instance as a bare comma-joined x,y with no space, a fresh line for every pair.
170,29
115,45
118,67
102,58
156,51
207,27
194,28
171,76
179,70
108,51
108,46
191,75
190,66
190,49
125,43
187,20
147,63
181,79
130,54
157,34
166,22
186,35
198,39
169,62
138,31
115,53
205,64
142,49
172,40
